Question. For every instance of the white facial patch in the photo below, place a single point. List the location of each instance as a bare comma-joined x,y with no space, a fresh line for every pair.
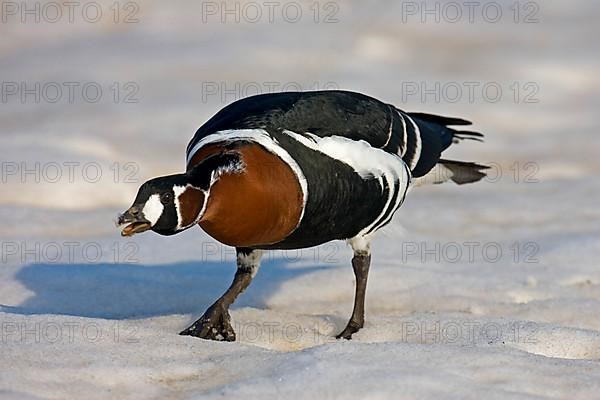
153,209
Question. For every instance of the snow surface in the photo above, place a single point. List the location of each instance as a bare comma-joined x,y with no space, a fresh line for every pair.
85,313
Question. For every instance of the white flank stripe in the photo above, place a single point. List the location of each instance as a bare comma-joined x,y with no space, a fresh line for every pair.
263,138
153,209
404,137
366,160
417,155
401,196
390,131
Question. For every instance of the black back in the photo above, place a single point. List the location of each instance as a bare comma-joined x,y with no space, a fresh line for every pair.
323,113
340,113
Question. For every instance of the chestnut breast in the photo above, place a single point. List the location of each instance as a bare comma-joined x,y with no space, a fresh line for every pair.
260,206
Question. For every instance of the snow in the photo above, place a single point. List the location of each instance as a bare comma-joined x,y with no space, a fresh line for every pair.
490,290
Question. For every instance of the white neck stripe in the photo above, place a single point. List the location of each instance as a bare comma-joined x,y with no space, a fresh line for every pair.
178,190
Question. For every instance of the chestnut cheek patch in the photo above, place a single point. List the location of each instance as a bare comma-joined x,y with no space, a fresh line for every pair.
189,205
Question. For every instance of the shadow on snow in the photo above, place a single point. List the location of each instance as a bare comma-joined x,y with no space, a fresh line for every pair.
119,291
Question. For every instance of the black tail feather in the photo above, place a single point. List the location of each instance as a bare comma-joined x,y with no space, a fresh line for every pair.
440,119
437,135
468,134
457,136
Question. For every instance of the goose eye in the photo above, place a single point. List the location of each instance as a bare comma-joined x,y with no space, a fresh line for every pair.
166,197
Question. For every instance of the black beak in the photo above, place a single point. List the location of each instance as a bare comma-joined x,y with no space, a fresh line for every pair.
135,220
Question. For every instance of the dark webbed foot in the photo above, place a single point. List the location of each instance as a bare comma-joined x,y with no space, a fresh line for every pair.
215,324
349,330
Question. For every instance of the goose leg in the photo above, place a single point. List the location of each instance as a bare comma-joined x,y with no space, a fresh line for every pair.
360,263
215,324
